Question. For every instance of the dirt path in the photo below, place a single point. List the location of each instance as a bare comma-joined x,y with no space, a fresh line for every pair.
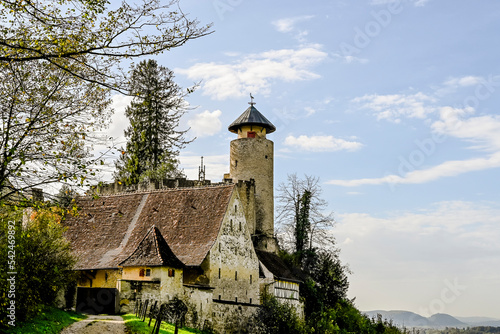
97,324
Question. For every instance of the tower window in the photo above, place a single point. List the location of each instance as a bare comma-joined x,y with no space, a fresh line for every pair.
171,273
148,272
235,275
251,134
235,163
250,279
141,273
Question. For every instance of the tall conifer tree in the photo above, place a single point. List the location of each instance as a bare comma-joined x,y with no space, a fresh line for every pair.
153,138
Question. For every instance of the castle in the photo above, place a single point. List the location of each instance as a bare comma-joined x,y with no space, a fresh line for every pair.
210,245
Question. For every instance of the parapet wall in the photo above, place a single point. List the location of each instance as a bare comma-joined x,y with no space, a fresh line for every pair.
119,187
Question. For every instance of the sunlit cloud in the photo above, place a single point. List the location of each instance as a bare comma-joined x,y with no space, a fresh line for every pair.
256,72
206,123
321,143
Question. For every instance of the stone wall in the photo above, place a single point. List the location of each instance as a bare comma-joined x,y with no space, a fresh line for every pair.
252,158
120,187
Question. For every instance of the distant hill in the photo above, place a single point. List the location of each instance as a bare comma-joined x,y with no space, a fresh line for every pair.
401,318
410,319
480,321
445,320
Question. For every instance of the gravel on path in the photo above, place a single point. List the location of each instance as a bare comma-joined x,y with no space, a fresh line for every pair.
97,324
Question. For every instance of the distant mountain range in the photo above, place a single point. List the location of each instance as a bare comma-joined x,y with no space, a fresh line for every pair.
439,320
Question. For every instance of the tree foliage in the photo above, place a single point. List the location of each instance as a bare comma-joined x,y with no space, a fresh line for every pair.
89,38
304,223
153,137
58,60
48,118
42,260
306,232
274,317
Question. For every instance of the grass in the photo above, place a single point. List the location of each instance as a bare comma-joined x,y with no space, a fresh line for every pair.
50,321
136,326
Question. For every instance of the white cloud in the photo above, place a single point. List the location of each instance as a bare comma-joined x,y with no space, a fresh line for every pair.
216,166
465,81
394,107
256,72
421,249
416,3
321,143
288,24
119,122
445,169
206,123
484,131
349,59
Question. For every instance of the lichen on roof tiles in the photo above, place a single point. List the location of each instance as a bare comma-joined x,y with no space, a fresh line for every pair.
188,219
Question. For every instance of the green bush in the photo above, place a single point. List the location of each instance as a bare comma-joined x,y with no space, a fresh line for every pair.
275,317
42,261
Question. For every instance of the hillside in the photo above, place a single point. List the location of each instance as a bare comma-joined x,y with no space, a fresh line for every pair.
410,319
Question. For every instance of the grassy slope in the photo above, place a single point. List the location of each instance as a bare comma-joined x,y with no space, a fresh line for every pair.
136,326
49,321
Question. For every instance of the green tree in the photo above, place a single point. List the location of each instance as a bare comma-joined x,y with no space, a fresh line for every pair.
39,255
88,39
153,138
274,317
58,60
48,119
303,220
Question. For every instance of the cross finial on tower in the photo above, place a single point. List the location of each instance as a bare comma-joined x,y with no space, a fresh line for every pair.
251,100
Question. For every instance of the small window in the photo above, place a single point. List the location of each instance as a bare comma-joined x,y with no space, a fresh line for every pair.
148,272
240,226
171,273
231,225
236,299
219,297
250,301
141,273
219,273
251,134
250,279
235,163
235,208
106,277
235,275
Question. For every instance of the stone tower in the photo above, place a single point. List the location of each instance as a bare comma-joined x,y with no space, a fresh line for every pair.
251,157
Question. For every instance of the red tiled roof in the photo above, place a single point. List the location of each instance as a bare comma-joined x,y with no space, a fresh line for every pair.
153,250
107,230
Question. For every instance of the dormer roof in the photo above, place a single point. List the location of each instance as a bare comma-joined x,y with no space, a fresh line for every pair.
252,116
153,250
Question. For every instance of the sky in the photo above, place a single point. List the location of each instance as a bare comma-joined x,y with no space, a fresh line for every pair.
393,104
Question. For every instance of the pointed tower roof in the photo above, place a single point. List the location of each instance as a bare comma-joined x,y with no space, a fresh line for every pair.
252,116
153,250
